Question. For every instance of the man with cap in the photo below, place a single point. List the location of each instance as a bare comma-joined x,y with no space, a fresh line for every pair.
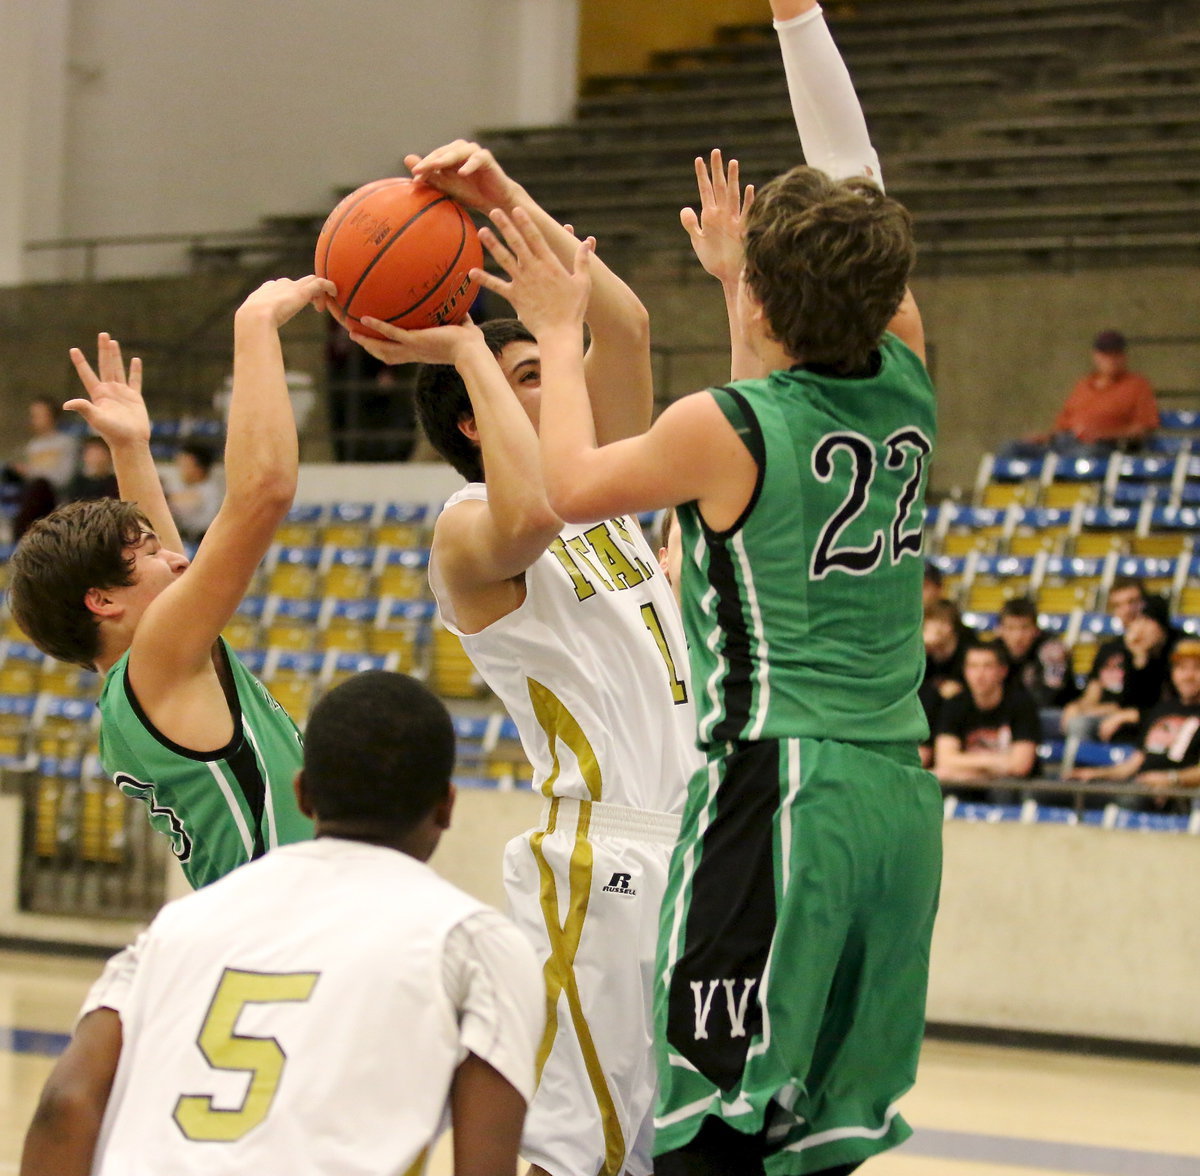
1168,755
1110,407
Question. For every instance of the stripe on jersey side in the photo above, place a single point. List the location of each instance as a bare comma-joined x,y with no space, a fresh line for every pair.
268,800
239,820
736,687
559,973
762,651
557,723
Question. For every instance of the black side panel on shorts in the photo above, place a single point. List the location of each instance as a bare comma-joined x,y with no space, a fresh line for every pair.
713,1003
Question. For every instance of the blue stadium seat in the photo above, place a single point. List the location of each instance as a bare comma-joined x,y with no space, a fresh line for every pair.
1093,754
1182,419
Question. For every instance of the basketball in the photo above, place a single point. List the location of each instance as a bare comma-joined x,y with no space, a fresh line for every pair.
400,251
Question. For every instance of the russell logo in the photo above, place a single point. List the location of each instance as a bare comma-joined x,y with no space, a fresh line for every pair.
620,884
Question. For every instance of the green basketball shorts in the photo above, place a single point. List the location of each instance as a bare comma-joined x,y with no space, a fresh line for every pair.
793,951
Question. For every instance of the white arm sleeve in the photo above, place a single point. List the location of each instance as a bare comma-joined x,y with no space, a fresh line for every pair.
493,980
833,131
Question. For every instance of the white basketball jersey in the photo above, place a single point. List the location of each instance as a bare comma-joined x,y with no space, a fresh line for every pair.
290,1018
592,667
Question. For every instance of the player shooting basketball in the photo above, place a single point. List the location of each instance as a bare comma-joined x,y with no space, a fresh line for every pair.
575,629
797,921
184,726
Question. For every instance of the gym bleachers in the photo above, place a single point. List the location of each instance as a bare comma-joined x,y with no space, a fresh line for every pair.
995,121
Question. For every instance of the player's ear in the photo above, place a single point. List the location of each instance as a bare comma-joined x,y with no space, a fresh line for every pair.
468,428
99,601
302,801
443,809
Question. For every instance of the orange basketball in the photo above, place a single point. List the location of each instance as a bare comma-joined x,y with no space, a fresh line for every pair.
400,251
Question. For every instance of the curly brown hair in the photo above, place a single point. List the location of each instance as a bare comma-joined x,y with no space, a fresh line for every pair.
80,546
828,261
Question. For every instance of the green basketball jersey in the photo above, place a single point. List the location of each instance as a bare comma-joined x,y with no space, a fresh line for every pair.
220,809
804,619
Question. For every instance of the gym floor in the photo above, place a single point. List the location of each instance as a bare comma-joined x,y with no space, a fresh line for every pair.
977,1110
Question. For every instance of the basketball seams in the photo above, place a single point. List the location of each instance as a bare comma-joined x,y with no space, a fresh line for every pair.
387,245
355,199
462,244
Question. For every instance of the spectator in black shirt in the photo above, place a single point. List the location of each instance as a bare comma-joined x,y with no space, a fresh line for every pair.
95,477
1039,661
1168,754
946,643
990,731
1127,679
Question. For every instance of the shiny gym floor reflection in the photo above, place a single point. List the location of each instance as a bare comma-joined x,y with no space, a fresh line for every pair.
977,1110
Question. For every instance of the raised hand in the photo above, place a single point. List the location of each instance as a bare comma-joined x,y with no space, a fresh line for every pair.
467,172
716,234
113,407
429,345
283,298
543,292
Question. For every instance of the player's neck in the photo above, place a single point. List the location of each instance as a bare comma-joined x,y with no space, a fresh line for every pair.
415,843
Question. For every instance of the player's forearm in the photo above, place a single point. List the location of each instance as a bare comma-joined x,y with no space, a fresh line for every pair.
619,382
61,1142
138,481
566,431
743,363
829,117
261,450
509,447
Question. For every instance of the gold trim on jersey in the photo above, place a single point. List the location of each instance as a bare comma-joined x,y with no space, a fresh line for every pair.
558,723
559,971
418,1165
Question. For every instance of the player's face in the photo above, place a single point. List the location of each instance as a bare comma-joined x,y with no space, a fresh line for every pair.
1185,677
670,558
1018,634
984,674
522,367
154,568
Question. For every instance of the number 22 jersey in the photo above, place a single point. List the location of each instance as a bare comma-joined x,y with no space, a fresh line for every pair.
805,617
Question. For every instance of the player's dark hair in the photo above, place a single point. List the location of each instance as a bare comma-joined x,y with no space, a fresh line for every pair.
203,455
828,261
80,546
933,574
378,752
1019,606
443,403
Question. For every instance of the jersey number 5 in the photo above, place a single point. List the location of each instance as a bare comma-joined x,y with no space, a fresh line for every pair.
902,445
261,1057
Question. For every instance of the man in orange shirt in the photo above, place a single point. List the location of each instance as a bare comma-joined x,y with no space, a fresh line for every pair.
1109,407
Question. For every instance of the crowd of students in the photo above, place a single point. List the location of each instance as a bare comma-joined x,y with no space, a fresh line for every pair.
992,698
55,467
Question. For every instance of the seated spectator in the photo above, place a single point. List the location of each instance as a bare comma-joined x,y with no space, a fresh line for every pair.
45,466
931,589
1110,407
1126,681
946,643
1039,661
990,731
196,500
1168,755
95,477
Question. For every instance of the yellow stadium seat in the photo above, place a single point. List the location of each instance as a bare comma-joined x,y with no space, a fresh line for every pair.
452,674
